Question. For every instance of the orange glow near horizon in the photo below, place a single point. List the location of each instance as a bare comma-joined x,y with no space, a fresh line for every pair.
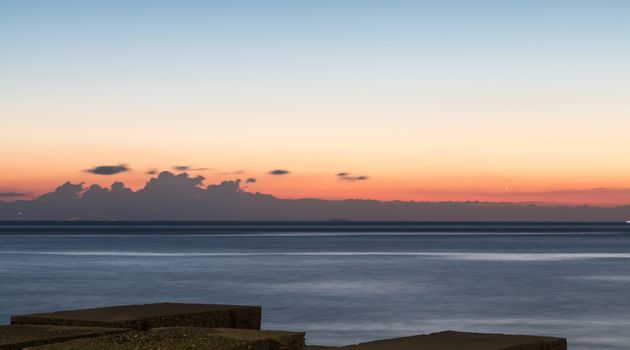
551,151
328,186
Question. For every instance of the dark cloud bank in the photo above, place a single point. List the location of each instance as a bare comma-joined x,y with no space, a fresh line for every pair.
182,197
12,194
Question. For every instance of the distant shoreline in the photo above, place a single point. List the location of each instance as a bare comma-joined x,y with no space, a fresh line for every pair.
311,228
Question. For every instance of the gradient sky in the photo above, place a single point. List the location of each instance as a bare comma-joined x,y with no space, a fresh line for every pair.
433,100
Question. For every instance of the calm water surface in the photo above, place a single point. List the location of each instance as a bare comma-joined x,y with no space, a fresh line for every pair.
341,282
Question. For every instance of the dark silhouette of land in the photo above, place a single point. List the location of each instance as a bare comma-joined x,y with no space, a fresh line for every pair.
172,196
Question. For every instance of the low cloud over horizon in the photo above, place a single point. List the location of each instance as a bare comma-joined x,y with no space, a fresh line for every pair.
599,196
172,196
602,196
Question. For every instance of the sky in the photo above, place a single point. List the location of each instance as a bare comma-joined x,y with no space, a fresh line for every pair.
415,100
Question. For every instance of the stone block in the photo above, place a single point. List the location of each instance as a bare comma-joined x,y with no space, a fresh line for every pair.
184,338
147,316
20,336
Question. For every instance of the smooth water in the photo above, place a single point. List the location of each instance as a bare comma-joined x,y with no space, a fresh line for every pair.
341,282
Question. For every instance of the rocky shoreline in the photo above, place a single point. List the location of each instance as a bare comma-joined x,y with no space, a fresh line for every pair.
174,326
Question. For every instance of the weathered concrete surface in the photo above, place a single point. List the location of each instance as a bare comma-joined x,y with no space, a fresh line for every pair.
142,317
181,338
20,336
450,340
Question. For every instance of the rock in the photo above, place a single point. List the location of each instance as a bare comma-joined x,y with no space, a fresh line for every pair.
142,317
20,336
450,340
186,338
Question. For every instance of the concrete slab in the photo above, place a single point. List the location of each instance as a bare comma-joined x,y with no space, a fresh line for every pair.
142,317
450,340
181,338
20,336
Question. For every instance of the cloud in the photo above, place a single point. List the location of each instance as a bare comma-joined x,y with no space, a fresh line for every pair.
347,177
187,167
108,169
12,194
237,172
64,193
250,180
169,185
151,172
279,172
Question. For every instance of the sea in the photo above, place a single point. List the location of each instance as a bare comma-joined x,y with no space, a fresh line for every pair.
341,282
